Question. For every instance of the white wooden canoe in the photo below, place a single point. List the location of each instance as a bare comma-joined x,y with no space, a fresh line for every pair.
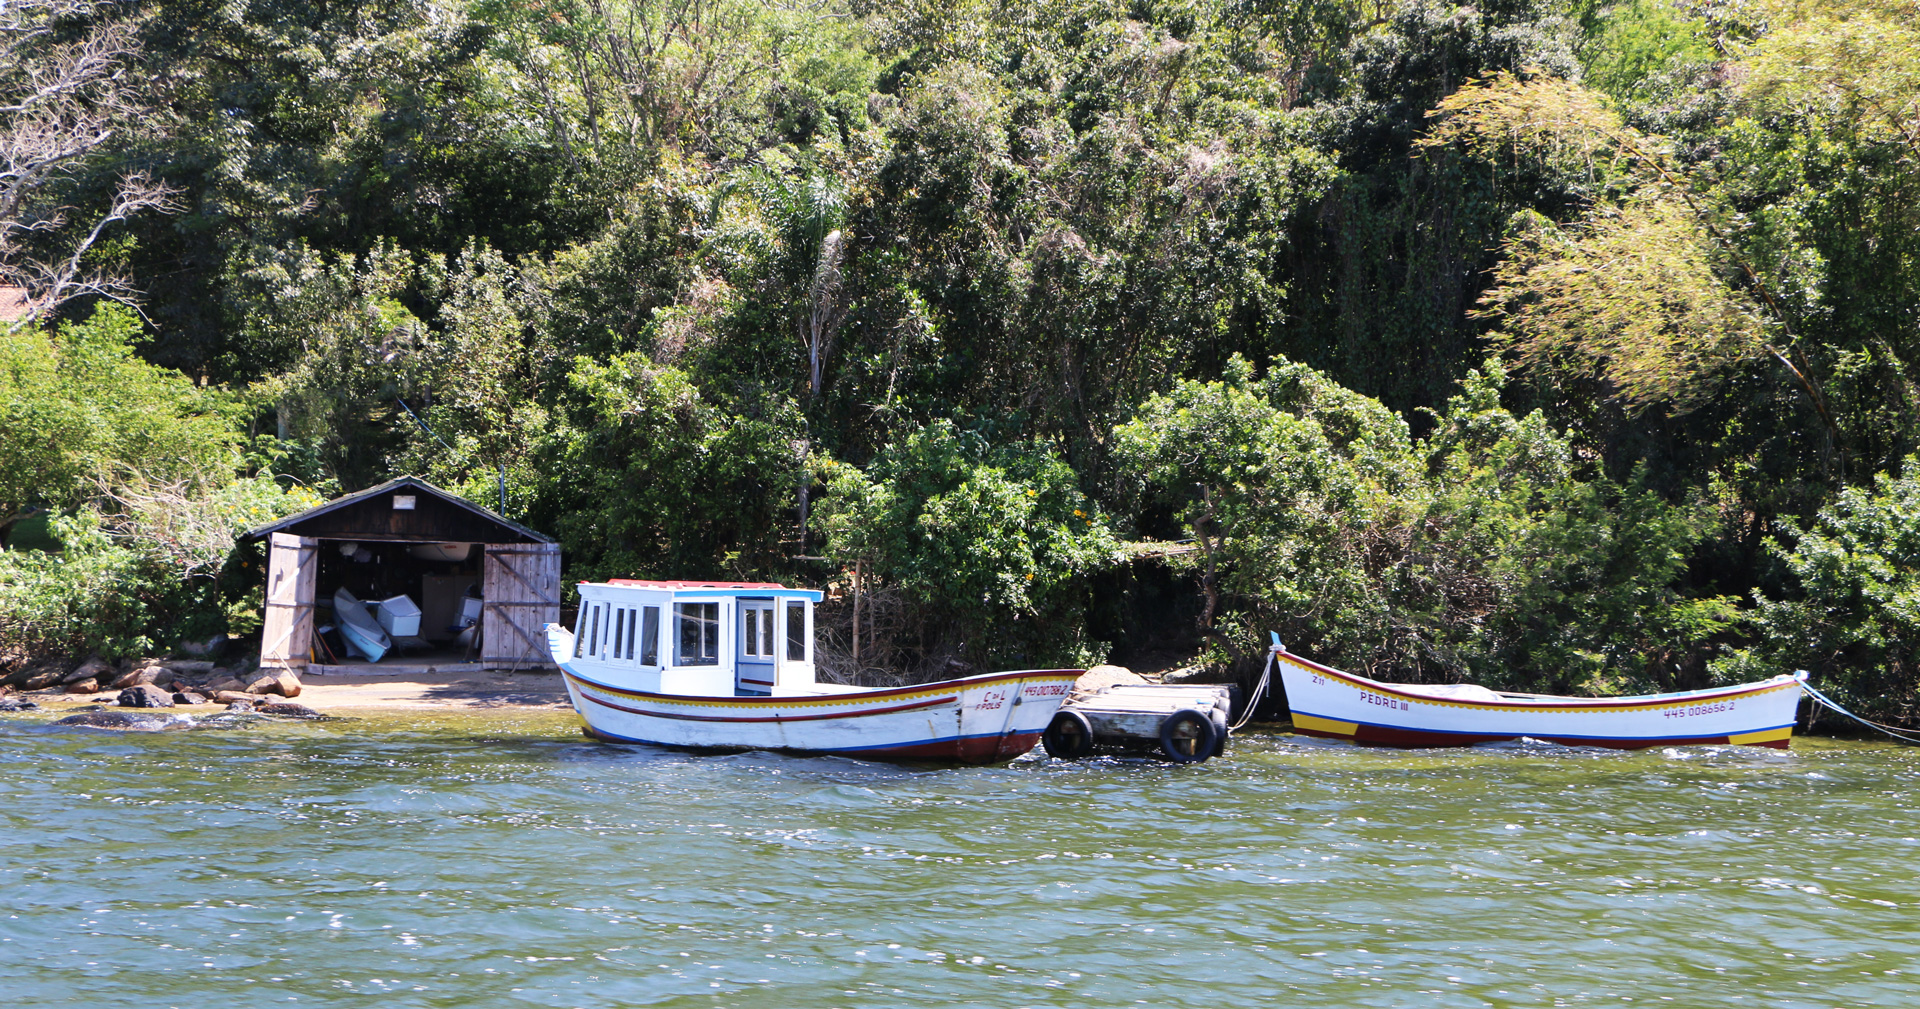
1340,705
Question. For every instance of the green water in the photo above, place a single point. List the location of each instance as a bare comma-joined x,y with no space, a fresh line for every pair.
503,861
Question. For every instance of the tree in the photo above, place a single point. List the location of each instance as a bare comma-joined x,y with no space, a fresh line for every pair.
64,94
82,418
1653,290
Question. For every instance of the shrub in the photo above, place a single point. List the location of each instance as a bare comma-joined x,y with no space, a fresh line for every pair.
992,543
1482,550
1852,614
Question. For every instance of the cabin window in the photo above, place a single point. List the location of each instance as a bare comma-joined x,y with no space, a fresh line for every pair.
593,639
580,632
697,641
756,631
619,631
796,632
650,637
631,614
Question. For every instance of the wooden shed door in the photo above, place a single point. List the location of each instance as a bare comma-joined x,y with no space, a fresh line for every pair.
287,639
521,582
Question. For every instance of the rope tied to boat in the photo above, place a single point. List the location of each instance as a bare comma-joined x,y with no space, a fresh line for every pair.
1260,689
1899,734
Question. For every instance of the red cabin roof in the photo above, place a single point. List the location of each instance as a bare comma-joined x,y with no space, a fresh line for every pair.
640,583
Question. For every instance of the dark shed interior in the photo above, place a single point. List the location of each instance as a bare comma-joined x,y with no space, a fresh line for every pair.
402,538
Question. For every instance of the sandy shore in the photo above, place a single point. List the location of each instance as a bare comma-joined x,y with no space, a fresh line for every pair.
410,690
434,690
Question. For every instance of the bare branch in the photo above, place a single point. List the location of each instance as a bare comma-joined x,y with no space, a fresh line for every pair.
60,103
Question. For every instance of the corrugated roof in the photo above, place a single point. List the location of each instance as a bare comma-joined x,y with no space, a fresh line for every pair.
391,485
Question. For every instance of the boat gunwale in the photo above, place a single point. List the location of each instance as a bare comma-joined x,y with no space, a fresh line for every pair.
1562,703
812,700
761,719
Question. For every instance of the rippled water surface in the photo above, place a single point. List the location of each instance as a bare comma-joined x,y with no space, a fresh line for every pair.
500,860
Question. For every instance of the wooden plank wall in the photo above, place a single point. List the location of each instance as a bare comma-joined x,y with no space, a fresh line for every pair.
287,638
521,583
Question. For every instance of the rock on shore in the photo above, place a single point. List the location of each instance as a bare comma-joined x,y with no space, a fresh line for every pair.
275,681
107,719
145,696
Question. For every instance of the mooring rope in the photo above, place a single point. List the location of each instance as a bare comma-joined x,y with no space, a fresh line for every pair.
1889,730
1259,691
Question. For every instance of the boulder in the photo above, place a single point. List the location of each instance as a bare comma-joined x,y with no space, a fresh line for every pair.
275,681
201,666
241,703
233,697
43,676
286,710
95,668
86,686
122,720
145,695
225,683
17,704
139,676
189,697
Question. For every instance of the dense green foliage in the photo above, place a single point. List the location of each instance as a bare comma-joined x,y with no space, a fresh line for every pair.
1551,343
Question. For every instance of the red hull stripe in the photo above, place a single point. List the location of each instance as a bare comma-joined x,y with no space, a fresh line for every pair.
770,718
944,686
1387,735
1571,703
966,749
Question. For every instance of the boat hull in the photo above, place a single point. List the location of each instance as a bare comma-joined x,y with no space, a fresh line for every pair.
1333,704
976,720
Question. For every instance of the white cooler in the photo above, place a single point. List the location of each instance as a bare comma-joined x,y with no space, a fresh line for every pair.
399,616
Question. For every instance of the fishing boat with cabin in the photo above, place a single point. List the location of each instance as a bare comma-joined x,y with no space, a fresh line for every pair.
730,666
1340,705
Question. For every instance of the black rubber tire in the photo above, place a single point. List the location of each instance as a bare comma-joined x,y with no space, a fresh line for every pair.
1220,732
1187,736
1069,736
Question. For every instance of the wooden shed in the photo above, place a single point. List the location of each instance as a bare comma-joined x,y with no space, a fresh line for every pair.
408,537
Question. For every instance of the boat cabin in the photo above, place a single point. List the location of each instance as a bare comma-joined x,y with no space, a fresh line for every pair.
710,639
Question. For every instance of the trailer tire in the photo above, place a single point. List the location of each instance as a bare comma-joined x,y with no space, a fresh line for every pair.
1187,736
1069,736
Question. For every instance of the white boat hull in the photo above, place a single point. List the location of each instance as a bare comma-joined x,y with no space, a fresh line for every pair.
1328,702
979,719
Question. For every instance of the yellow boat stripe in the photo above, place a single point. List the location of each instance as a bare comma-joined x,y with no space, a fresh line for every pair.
1318,724
797,701
1765,736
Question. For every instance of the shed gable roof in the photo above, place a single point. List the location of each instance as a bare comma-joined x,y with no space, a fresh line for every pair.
437,517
